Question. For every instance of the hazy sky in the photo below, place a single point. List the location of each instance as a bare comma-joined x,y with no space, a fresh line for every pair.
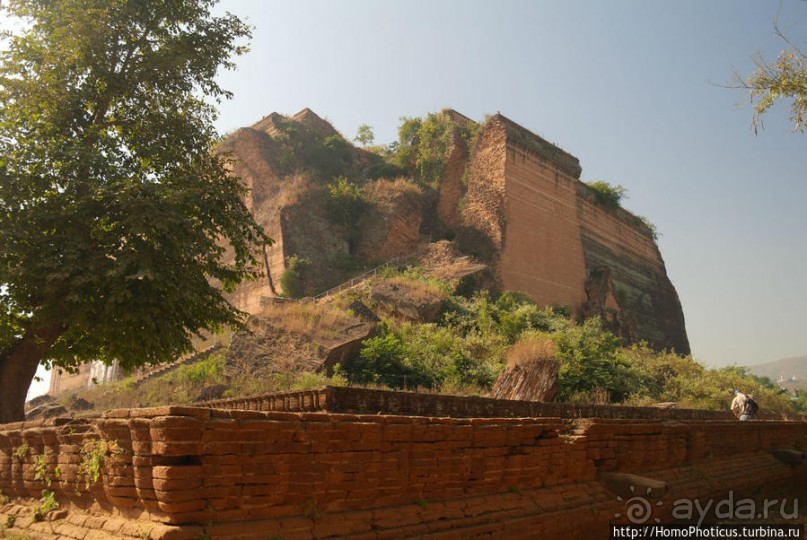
630,88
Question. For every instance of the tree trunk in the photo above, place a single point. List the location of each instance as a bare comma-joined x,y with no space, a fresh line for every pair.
18,367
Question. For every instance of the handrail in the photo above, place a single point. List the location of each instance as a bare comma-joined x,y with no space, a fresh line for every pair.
355,280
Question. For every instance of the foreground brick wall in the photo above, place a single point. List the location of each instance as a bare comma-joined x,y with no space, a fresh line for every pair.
249,474
363,401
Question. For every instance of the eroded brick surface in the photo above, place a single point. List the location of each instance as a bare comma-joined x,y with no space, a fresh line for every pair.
178,472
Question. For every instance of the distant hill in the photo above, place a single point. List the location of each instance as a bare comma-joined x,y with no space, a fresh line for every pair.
788,372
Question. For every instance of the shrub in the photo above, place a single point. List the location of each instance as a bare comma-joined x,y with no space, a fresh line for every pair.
422,147
590,361
304,148
345,203
607,194
291,281
381,361
204,372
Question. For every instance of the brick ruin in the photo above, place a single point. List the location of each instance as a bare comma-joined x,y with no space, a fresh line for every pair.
515,200
402,468
549,237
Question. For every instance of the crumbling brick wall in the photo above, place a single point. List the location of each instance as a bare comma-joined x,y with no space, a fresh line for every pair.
544,233
319,474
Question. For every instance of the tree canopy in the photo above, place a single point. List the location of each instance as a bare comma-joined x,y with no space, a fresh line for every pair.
119,224
364,135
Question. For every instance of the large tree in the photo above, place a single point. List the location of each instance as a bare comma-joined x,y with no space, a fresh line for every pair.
119,224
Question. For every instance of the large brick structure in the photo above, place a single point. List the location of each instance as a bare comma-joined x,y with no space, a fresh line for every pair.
514,199
549,238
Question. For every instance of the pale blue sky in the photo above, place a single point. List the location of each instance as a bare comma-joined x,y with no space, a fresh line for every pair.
631,88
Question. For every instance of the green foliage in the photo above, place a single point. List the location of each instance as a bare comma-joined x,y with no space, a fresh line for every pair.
302,148
345,201
291,280
607,194
382,361
93,456
22,451
307,381
667,377
422,147
115,215
384,170
11,520
47,504
346,205
41,470
650,225
785,79
590,362
800,401
207,371
364,135
467,348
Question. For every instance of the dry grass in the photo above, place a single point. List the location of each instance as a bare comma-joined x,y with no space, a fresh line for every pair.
295,188
414,290
383,188
310,319
530,350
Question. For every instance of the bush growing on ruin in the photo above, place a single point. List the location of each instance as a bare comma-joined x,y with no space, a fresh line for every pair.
422,147
345,205
292,278
664,376
307,150
608,194
468,348
591,360
382,360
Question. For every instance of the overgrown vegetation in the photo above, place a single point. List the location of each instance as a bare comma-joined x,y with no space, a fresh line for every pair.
422,145
608,194
47,504
464,351
22,451
291,281
467,349
345,205
94,454
42,472
310,150
187,384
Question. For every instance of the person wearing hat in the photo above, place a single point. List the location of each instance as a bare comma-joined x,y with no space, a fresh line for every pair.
743,406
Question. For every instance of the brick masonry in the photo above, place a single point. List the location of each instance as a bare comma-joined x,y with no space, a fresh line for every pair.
547,236
186,471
